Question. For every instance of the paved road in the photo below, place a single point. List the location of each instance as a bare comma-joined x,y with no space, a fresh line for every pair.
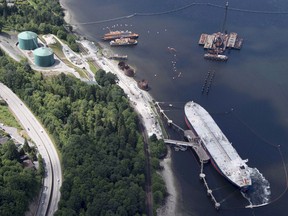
53,175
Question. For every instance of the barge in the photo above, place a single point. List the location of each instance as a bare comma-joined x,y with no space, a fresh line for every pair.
112,35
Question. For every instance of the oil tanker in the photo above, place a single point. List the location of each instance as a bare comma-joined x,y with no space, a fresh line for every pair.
223,156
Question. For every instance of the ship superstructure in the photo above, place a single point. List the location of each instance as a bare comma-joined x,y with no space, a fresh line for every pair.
223,156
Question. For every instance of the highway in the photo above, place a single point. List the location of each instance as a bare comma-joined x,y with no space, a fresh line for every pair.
50,195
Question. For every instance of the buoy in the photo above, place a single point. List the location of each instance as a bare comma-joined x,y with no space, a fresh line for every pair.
202,175
217,205
209,192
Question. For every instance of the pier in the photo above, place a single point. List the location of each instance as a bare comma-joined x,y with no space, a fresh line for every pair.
195,143
169,121
202,155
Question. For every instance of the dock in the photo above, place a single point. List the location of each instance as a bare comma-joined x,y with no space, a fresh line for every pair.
195,143
196,146
118,57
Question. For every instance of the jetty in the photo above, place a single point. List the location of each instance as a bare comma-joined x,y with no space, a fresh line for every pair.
195,143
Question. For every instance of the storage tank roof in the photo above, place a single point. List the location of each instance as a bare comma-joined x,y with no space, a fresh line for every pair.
27,35
43,51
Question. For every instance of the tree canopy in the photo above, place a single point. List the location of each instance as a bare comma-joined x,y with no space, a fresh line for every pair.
39,16
96,132
18,185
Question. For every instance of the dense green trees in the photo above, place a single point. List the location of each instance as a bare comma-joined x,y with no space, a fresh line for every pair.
18,185
96,132
158,150
40,16
94,128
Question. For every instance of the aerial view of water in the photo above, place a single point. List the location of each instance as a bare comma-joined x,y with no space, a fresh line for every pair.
248,98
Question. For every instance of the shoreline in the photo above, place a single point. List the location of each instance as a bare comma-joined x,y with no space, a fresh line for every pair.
169,208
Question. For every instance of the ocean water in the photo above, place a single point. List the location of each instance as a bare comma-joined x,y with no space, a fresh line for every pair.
254,83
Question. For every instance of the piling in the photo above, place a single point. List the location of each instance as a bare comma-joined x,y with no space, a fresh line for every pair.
209,191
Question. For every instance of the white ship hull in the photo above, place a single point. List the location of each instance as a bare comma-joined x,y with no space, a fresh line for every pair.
223,156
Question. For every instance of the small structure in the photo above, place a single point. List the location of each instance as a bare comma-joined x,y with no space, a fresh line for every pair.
121,65
143,84
27,40
28,164
128,71
43,57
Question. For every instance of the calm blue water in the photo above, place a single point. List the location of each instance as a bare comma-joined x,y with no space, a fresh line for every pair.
254,82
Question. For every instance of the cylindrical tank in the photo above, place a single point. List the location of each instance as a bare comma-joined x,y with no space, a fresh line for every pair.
27,40
43,57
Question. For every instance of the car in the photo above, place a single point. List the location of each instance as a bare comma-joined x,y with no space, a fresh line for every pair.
41,131
28,129
58,180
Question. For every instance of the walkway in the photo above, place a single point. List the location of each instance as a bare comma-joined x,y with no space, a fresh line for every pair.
203,156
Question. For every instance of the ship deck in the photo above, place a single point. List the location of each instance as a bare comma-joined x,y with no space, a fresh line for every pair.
216,143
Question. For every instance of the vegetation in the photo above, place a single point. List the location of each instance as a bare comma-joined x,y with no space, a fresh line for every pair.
92,66
7,118
18,185
158,150
94,127
40,16
95,130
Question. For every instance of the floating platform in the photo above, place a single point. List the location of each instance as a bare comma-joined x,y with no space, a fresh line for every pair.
231,40
218,42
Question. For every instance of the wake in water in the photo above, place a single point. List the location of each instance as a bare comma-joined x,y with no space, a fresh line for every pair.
259,194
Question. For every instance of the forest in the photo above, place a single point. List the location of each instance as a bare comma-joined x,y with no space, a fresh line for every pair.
18,184
39,16
94,127
97,134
